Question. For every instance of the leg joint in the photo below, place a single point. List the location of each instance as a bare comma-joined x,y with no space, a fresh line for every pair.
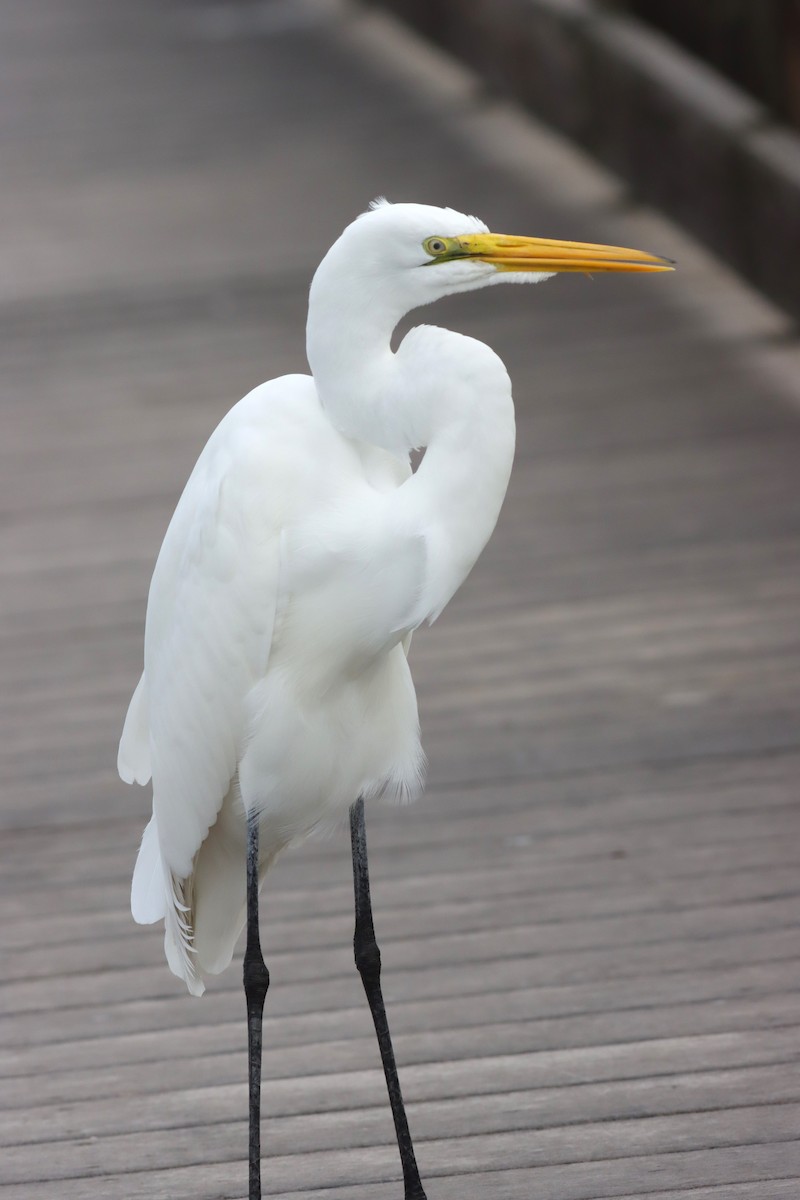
256,977
368,959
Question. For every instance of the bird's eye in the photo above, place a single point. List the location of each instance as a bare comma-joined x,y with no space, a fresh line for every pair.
434,245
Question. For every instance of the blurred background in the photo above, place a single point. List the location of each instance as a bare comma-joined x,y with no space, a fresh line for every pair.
589,924
757,45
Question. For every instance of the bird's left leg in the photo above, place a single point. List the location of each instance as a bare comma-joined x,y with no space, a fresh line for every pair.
368,961
256,983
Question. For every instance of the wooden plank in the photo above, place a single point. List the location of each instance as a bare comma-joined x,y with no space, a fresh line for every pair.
296,1106
488,899
539,951
493,1121
466,1158
463,928
546,1051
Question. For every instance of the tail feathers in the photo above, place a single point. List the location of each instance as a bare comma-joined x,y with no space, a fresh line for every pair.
157,895
178,942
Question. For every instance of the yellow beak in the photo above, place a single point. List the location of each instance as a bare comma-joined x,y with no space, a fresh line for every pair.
509,253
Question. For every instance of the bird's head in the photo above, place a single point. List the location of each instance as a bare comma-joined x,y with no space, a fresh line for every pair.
406,255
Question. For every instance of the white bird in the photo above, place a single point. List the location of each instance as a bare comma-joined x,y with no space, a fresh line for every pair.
276,691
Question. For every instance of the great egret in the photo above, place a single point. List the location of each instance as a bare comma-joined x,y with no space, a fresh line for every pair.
276,692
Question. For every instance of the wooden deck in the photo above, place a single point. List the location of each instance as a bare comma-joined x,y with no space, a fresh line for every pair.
590,925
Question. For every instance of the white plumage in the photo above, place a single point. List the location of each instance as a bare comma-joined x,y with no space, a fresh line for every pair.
301,556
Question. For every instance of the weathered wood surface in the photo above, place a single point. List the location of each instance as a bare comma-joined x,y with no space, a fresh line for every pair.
590,924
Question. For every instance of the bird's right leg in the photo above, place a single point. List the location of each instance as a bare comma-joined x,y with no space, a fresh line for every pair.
256,983
368,962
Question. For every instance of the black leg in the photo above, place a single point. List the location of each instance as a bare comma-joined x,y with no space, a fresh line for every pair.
256,982
368,961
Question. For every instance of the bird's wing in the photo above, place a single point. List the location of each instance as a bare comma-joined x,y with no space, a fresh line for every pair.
210,621
133,760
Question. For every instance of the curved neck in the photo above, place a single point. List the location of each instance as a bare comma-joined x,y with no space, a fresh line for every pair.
440,390
348,344
456,495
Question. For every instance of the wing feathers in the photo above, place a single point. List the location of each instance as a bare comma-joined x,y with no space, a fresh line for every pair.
133,760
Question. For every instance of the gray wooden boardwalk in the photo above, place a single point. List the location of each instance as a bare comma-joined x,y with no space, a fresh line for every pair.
590,924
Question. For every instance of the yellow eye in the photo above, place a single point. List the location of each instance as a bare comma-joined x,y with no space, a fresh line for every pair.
434,246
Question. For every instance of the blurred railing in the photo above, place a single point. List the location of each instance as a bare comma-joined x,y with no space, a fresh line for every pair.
756,43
